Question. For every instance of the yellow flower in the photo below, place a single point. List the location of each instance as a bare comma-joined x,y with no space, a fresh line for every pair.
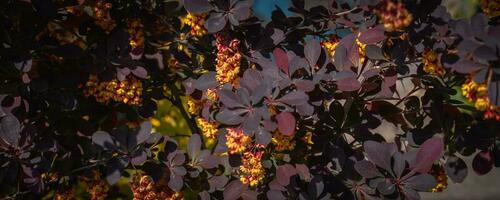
481,104
193,106
135,30
237,141
196,22
208,129
282,142
393,15
252,169
228,60
128,91
490,7
442,180
431,63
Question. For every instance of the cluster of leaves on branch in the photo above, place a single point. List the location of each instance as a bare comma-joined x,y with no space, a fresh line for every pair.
363,99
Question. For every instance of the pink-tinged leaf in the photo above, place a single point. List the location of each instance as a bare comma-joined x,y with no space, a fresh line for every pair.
430,151
217,182
305,85
122,73
466,66
234,190
372,36
482,163
140,72
283,174
286,123
216,22
26,79
144,132
348,84
281,59
303,172
380,153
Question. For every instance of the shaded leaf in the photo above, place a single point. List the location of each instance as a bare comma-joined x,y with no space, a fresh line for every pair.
216,22
430,151
197,6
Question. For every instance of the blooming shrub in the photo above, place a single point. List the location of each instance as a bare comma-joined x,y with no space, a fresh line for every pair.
298,107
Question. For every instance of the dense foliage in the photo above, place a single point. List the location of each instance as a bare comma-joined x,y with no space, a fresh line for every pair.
360,99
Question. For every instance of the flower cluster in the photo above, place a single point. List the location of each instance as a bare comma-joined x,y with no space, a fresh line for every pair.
431,63
194,106
282,142
144,188
96,186
361,49
440,175
490,7
477,93
102,17
196,23
128,91
393,15
68,194
252,170
237,141
208,129
330,46
228,60
135,30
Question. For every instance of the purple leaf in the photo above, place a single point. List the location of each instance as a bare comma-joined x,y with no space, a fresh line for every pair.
217,182
102,139
175,183
485,53
230,99
312,50
366,169
194,146
122,73
294,98
275,195
494,92
281,59
216,22
430,151
139,158
140,72
197,6
263,137
465,66
372,36
144,132
278,36
241,10
205,81
234,190
230,117
421,182
303,172
380,153
10,129
348,84
286,123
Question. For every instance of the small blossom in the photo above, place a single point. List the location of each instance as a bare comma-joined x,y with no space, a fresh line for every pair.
394,16
102,16
128,91
442,180
144,188
237,141
431,63
228,60
96,186
196,22
135,30
490,7
208,129
282,142
252,169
